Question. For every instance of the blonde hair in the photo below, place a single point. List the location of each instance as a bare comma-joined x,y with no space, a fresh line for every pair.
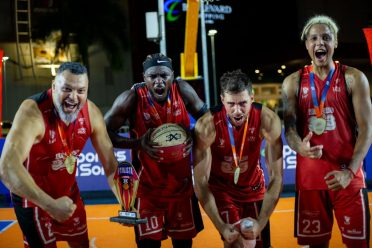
320,19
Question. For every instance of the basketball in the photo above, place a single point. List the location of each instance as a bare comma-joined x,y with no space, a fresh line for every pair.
170,137
169,134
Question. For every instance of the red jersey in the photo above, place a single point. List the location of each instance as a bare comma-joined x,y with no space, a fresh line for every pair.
251,184
161,180
45,162
340,134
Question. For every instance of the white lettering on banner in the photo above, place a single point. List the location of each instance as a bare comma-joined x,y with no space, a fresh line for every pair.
289,156
89,164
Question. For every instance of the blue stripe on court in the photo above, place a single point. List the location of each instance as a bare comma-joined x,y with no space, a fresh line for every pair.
5,224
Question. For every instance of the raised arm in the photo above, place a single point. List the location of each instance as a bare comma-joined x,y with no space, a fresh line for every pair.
289,91
102,144
205,134
271,130
28,129
361,99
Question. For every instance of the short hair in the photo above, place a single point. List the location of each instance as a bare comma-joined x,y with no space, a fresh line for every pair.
157,59
235,82
73,67
319,19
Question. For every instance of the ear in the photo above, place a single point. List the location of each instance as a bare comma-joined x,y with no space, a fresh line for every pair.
144,78
336,43
222,98
53,85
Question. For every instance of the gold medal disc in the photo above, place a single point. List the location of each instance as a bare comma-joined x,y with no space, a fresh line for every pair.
70,163
236,175
319,125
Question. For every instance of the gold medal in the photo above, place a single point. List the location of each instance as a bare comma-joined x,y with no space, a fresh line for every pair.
236,175
70,163
319,125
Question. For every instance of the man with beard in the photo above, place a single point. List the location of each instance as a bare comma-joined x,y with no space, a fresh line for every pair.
328,122
229,179
38,162
165,192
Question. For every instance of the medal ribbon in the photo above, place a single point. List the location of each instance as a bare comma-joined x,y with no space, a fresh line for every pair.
319,108
232,141
153,109
64,140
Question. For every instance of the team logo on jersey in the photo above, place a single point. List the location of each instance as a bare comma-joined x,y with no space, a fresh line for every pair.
346,220
222,142
52,136
147,116
176,104
305,92
82,131
177,112
81,121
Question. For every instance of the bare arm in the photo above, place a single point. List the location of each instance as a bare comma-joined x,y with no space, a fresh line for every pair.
204,137
116,117
102,144
363,112
271,130
359,88
28,129
191,99
289,88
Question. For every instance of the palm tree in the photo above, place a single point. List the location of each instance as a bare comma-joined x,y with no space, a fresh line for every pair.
86,22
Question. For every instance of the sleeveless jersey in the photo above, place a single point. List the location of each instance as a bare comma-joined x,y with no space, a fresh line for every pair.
340,134
45,162
251,184
163,180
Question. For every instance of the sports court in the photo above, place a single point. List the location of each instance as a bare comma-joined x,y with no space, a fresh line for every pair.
103,233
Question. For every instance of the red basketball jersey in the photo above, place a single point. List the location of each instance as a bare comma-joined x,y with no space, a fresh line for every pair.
161,180
45,162
251,183
339,137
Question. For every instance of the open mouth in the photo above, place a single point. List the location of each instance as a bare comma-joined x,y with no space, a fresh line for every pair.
70,107
159,91
238,119
320,54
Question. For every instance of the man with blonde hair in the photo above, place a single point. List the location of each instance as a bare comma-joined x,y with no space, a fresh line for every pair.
328,122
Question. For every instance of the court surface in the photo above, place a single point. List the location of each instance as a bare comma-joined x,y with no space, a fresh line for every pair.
103,233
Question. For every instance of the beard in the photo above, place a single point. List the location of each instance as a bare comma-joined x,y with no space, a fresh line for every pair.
67,118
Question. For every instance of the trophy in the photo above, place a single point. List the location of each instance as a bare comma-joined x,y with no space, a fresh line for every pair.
126,183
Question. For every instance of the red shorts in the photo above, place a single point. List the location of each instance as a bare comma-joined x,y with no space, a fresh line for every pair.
40,230
178,219
314,216
232,212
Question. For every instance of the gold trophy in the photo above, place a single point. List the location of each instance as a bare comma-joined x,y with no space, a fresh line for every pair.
126,182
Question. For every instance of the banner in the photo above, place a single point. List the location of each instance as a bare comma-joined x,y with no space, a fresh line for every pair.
368,34
1,92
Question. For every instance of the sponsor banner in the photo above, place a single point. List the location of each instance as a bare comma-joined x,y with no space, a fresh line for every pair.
91,177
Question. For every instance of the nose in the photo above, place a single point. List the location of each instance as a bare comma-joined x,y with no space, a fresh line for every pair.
237,109
73,95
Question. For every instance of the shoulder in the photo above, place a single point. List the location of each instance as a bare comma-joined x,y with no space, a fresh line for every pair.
270,123
354,78
29,119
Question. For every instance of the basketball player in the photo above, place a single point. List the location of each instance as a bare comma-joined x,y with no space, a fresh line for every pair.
38,162
165,192
328,123
228,175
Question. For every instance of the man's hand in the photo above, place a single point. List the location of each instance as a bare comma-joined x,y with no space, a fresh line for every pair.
230,233
151,147
62,209
253,232
306,150
337,180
